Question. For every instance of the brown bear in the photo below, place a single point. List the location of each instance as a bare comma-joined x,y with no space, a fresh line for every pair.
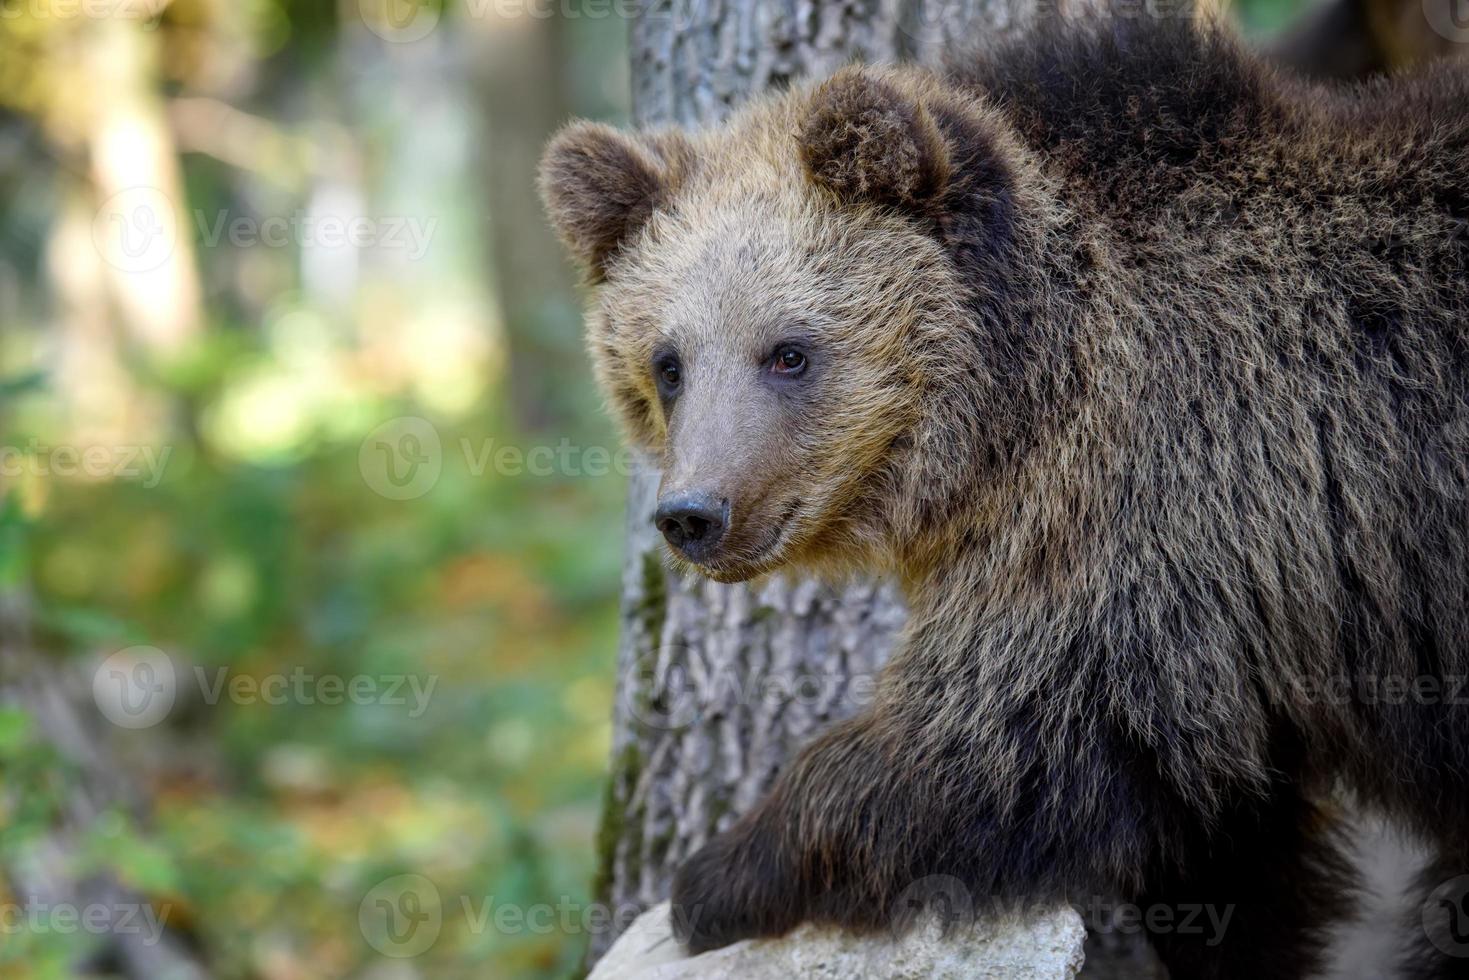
1145,369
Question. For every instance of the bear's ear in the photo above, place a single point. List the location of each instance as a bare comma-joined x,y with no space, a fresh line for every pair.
864,138
600,186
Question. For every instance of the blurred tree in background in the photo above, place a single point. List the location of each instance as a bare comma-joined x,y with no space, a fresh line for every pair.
237,239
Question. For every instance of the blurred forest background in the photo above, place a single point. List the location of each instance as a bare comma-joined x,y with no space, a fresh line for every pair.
281,329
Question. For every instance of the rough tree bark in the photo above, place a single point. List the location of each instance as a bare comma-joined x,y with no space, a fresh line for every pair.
719,684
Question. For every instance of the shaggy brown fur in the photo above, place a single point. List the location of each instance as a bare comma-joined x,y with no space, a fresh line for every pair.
1147,371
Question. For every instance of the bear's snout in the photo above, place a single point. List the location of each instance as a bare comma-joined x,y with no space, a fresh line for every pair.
693,523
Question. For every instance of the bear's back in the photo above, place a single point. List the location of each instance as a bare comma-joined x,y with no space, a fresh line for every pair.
1132,114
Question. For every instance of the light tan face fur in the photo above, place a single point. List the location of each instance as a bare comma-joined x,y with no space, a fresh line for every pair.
744,257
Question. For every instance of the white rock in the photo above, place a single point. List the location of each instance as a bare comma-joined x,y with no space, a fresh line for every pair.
1044,947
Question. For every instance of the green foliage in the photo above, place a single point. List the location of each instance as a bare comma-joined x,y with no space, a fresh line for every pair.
499,591
13,552
254,547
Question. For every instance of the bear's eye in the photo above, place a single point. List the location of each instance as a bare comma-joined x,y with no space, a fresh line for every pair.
788,361
668,373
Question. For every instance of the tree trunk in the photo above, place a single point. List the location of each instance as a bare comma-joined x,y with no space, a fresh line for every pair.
520,88
719,684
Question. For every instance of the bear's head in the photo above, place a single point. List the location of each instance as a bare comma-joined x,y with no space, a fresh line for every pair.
784,311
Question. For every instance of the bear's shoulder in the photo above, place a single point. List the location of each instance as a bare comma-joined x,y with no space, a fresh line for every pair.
1144,108
1128,89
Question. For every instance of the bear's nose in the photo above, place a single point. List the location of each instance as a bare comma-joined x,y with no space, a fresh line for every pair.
692,522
